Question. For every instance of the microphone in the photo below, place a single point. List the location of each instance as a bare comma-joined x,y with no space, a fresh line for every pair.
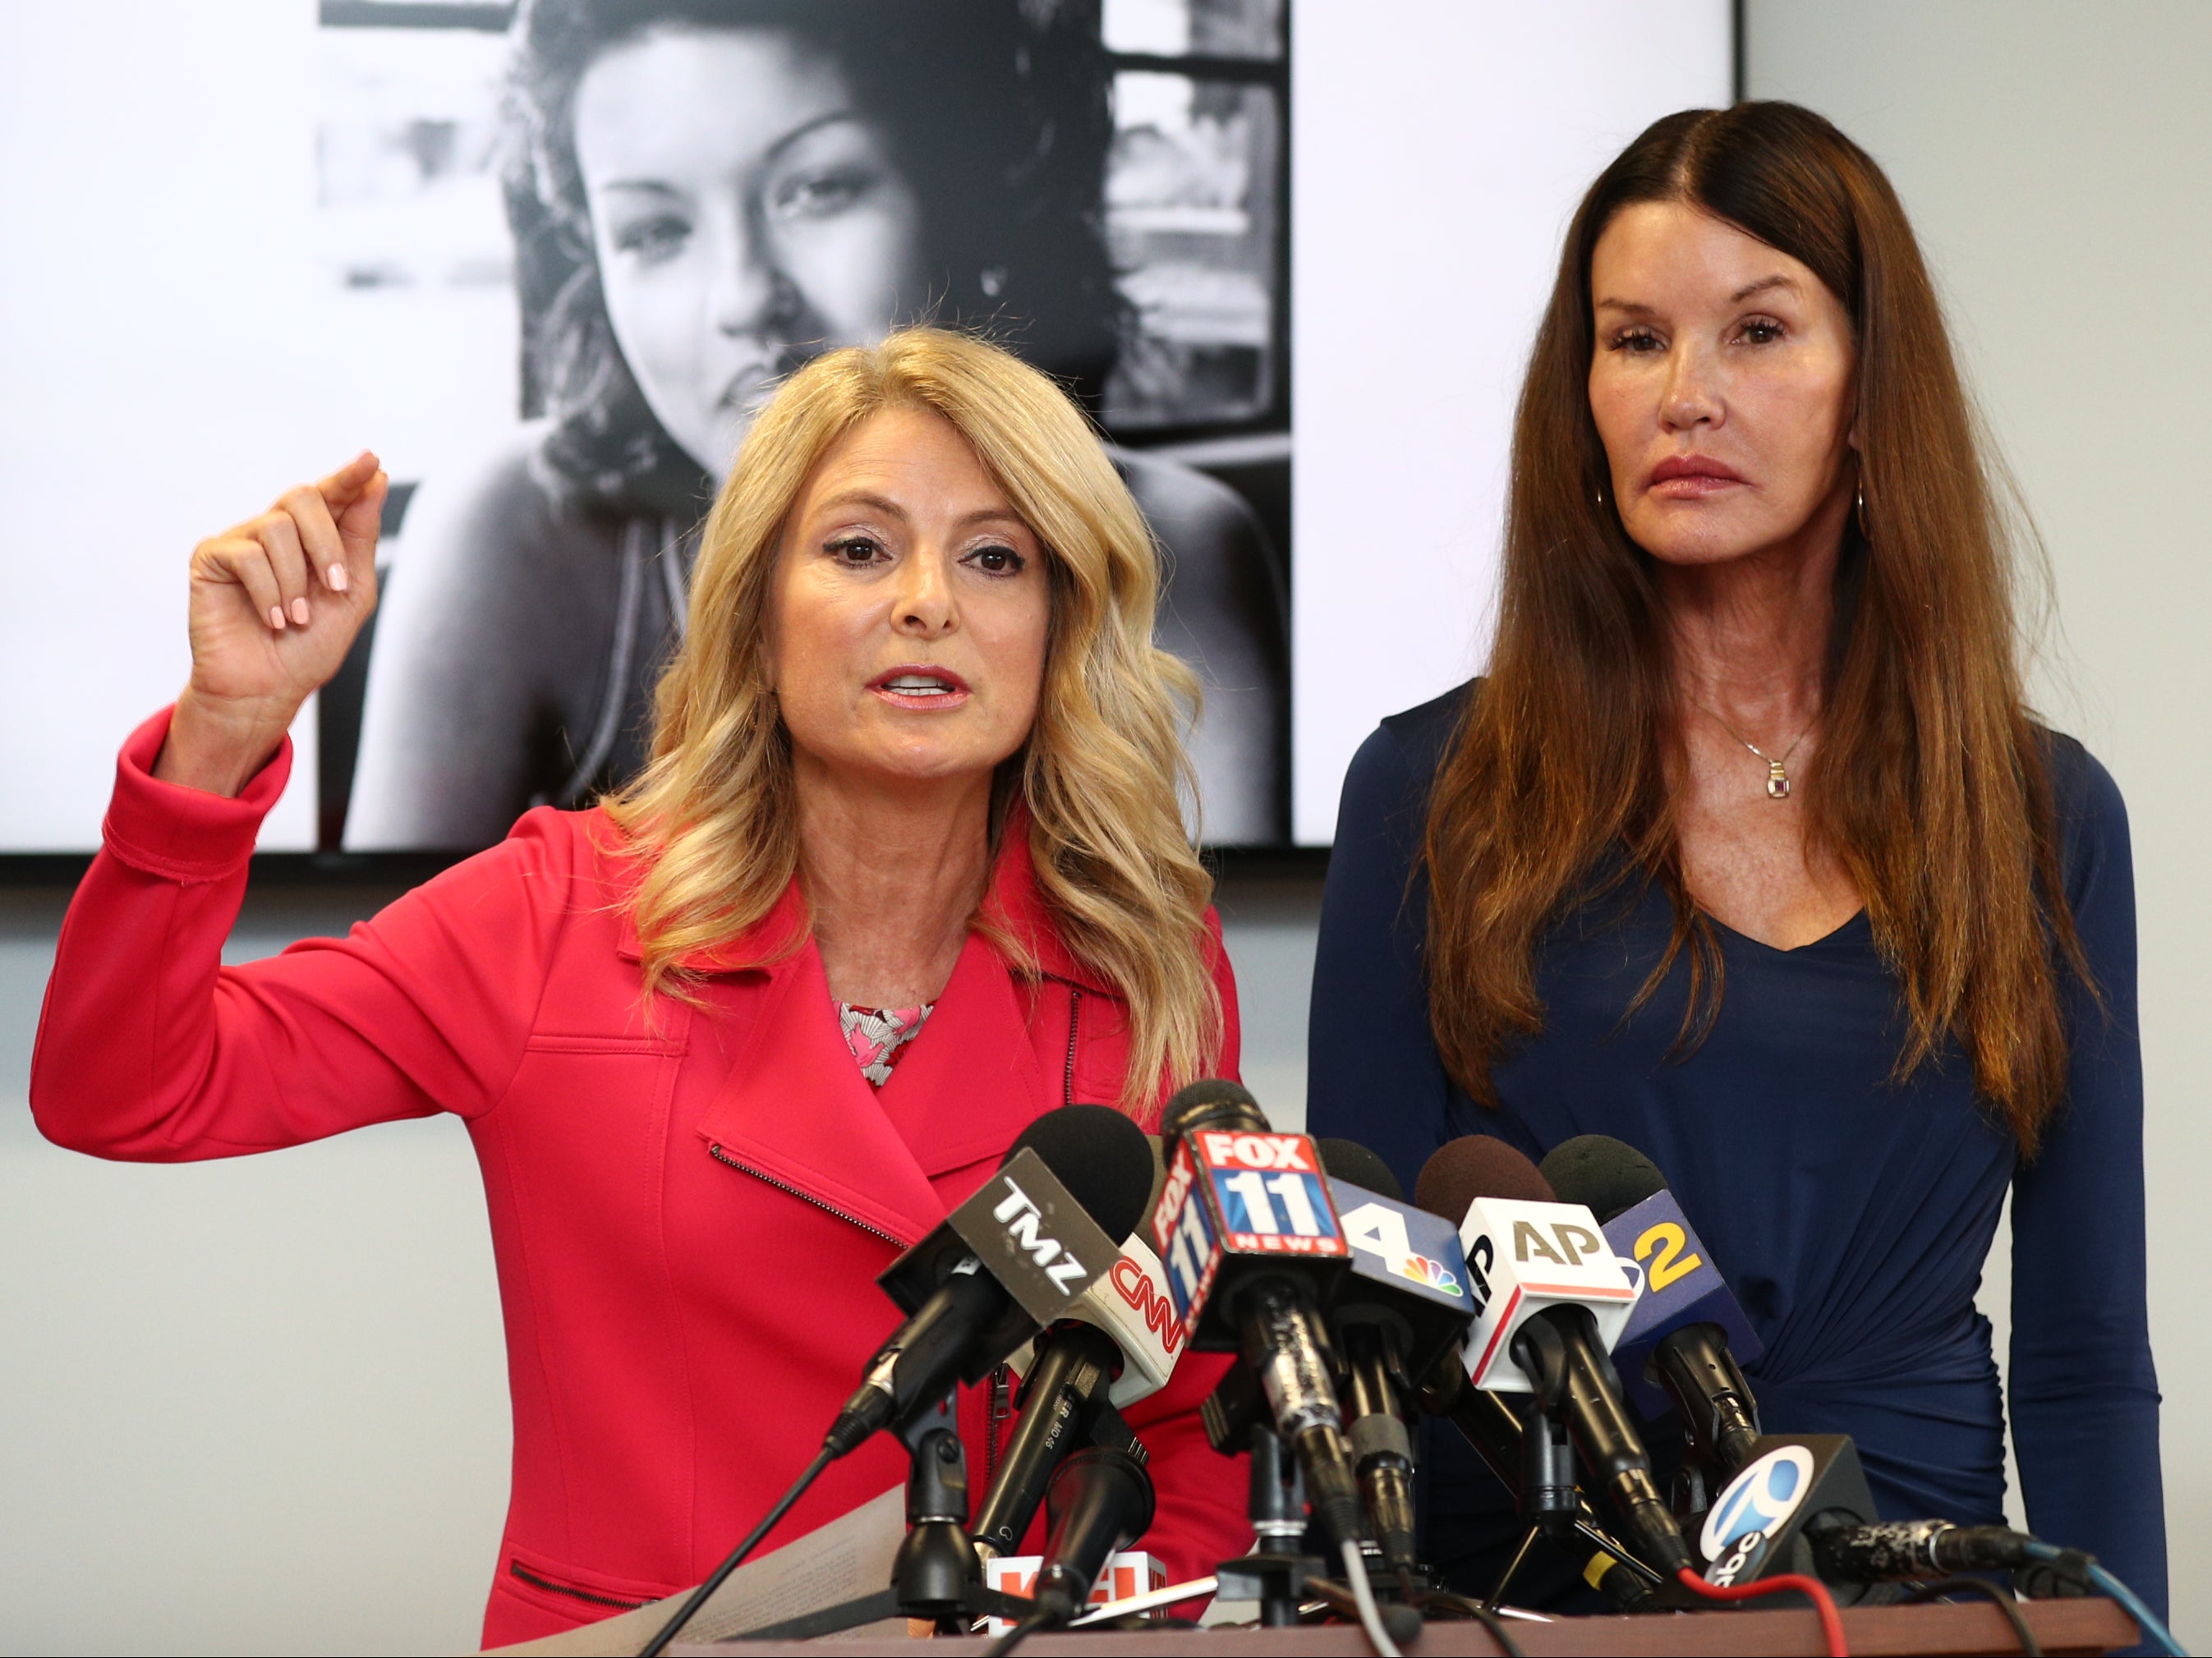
1063,1400
1544,1493
1253,1245
1402,1307
1132,1307
1550,1298
1100,1501
1010,1259
1686,1332
1902,1551
1118,1342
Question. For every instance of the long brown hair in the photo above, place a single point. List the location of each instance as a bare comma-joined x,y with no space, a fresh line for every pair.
1931,787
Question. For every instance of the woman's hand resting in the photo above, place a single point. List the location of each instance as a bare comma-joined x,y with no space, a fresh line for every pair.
276,603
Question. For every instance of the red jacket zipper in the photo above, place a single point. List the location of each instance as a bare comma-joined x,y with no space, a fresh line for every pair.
1074,1023
721,1156
536,1581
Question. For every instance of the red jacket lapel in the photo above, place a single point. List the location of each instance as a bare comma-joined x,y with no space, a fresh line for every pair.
969,1082
795,1106
796,1109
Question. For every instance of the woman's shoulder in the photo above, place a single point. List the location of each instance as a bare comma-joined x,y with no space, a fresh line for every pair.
2091,817
1180,501
1399,760
2081,787
549,856
499,511
1422,733
1386,787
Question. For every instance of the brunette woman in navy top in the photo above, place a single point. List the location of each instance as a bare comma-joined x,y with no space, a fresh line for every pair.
1749,851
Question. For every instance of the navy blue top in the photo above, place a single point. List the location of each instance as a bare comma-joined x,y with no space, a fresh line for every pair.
1850,1214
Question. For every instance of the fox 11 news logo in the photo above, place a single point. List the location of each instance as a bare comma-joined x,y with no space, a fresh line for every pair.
1239,1194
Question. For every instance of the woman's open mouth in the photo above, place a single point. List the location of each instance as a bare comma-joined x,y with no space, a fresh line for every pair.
920,688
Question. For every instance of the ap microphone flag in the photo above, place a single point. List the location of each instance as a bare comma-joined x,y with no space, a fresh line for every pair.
1523,1257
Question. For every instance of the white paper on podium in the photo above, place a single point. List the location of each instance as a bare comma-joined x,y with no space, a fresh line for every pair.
846,1558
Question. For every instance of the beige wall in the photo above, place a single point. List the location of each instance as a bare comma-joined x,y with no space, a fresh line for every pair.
2055,157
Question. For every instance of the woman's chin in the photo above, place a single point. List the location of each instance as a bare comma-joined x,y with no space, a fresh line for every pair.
1703,545
909,769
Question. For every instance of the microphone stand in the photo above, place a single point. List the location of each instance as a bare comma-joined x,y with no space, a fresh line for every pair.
937,1573
1275,1574
1503,1438
936,1570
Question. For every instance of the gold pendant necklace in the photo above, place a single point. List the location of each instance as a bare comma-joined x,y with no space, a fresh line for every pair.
1777,775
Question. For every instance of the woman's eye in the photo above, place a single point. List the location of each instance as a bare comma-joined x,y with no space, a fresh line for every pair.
998,561
817,195
856,551
1761,331
654,239
1637,341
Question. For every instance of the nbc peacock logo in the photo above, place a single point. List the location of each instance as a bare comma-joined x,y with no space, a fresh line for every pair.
1434,1273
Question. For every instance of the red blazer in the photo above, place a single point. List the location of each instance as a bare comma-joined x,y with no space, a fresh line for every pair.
687,1215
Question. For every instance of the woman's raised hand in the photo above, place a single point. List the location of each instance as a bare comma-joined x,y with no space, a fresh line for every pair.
276,603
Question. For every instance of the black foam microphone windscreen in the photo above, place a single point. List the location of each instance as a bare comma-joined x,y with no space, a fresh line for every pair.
1102,1157
1209,1102
1348,1160
1605,1175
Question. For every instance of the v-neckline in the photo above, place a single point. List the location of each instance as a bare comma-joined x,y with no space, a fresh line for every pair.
1831,934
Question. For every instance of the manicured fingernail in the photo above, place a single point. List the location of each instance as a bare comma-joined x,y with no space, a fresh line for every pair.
277,617
299,611
336,576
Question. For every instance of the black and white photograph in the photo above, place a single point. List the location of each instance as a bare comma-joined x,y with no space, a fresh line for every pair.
615,225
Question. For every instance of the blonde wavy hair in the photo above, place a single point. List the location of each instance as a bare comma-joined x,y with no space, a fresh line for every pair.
713,822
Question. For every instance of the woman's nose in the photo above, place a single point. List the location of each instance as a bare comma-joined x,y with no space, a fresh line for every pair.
923,600
1691,397
750,294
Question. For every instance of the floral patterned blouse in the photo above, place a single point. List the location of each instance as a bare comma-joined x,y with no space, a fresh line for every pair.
876,1034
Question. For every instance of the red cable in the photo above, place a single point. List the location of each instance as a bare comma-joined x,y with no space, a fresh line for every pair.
1832,1621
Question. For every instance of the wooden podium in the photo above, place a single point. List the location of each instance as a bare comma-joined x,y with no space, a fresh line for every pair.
2092,1625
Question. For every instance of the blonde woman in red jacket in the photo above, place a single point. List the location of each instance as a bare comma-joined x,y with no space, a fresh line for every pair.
907,871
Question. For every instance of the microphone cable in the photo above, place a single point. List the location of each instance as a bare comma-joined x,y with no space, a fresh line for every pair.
1897,1551
2129,1601
1832,1621
2002,1597
1363,1595
1474,1610
1020,1632
705,1592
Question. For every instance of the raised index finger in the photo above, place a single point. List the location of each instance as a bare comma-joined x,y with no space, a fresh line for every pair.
343,486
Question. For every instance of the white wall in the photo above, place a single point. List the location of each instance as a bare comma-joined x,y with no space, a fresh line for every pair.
2054,158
